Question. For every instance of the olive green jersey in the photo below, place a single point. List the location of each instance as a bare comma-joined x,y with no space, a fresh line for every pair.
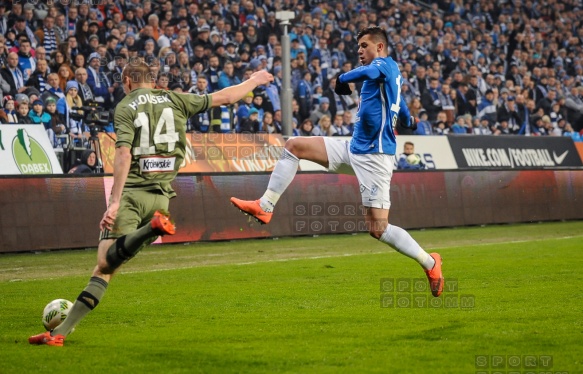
152,123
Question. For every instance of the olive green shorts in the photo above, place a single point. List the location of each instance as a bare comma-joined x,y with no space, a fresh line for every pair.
136,209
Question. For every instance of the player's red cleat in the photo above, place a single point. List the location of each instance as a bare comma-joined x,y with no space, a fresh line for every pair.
435,276
161,222
253,208
46,338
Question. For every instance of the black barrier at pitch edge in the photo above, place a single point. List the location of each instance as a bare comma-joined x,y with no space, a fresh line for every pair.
61,213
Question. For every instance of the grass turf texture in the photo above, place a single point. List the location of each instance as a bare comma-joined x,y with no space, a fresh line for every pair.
247,307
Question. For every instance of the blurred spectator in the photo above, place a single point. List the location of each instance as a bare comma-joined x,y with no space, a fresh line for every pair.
38,78
46,35
547,102
508,114
572,133
423,126
487,108
441,128
574,108
38,115
243,111
251,124
304,94
483,127
78,130
258,105
307,128
86,164
22,114
227,76
325,125
348,121
57,58
8,114
26,62
430,99
55,126
52,88
459,126
447,98
415,107
98,81
322,110
65,74
410,160
12,75
466,100
269,126
339,128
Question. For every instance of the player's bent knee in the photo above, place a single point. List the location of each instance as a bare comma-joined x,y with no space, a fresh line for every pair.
294,147
376,233
103,267
116,255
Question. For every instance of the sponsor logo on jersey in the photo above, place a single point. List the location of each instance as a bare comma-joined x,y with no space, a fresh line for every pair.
157,164
29,155
147,98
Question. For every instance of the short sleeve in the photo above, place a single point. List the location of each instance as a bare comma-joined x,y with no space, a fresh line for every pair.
124,128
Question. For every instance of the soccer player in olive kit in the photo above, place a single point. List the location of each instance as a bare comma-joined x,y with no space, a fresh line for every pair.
369,154
151,141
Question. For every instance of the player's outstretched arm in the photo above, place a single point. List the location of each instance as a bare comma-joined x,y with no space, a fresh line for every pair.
231,95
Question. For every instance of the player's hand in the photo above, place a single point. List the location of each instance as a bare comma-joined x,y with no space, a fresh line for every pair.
342,88
261,77
413,123
109,217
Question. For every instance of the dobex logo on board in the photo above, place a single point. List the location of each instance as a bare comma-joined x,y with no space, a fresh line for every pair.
512,157
29,155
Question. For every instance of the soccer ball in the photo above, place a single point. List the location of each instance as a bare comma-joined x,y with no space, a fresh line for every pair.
55,312
413,159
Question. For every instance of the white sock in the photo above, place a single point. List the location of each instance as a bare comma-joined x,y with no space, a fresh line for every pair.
402,242
284,172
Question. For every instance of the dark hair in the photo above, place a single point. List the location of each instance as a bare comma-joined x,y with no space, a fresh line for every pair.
379,35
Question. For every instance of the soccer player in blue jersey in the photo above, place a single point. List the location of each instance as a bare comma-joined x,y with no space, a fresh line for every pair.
369,154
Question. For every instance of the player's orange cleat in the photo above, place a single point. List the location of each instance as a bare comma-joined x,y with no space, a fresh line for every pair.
435,276
253,208
46,338
161,222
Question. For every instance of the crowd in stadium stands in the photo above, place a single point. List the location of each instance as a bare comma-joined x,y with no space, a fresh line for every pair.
468,67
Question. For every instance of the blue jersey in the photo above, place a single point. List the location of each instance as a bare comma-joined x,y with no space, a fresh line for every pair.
380,106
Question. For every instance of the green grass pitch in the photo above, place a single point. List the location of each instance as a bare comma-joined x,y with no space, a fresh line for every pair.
309,305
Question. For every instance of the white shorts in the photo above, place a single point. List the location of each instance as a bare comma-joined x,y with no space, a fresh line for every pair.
373,171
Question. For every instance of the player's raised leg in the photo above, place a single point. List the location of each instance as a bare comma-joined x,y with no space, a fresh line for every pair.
296,149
